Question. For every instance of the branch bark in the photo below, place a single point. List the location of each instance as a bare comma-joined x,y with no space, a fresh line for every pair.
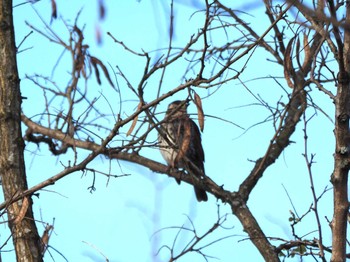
341,169
12,169
341,156
237,203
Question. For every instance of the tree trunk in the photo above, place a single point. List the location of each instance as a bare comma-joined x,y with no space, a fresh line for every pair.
12,169
340,174
342,148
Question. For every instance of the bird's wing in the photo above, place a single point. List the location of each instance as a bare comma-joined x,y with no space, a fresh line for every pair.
196,141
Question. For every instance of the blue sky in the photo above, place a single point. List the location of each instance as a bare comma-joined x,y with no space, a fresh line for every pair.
121,218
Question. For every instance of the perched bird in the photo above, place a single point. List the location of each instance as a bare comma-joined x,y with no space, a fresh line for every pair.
180,143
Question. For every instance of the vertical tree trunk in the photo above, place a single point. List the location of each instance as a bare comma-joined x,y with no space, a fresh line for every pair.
12,169
340,174
342,150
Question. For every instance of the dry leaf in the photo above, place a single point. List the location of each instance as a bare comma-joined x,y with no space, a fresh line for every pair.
200,113
97,72
102,9
54,10
134,121
98,34
22,212
45,238
95,61
287,63
306,51
297,51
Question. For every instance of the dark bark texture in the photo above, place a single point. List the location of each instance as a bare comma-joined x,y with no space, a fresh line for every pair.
12,169
341,156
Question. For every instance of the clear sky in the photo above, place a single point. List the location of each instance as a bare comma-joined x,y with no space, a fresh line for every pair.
122,219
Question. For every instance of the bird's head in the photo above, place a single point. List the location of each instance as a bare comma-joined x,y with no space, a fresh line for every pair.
177,108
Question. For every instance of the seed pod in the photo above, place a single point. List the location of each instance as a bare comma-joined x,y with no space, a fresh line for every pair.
200,113
134,121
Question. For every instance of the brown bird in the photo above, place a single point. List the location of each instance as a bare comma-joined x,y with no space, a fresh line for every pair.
181,144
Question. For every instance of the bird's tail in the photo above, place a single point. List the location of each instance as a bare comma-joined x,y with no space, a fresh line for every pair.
201,195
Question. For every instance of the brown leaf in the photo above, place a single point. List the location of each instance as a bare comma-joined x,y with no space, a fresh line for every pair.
306,51
185,141
45,238
54,10
297,51
22,212
200,113
95,61
98,35
134,121
97,72
287,63
102,9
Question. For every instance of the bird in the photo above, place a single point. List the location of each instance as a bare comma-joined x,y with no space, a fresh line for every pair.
180,143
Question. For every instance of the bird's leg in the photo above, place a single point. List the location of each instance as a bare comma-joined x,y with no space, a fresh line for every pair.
173,166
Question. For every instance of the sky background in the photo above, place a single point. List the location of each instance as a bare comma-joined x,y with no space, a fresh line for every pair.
124,217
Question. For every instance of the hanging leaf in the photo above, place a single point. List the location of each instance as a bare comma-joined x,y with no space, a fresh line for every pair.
95,62
306,51
98,34
45,238
22,212
200,113
101,9
297,51
287,64
54,10
134,121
